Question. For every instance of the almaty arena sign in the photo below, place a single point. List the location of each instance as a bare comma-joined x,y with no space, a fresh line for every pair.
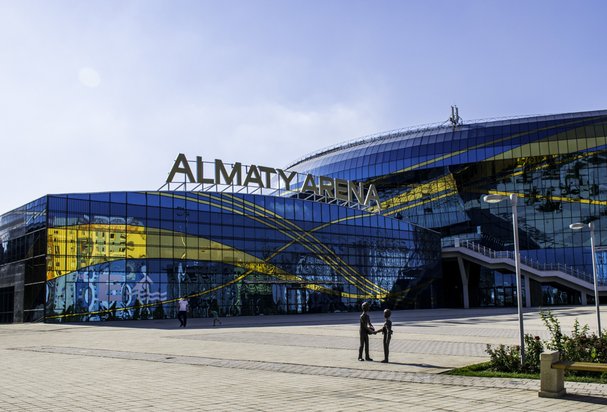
272,178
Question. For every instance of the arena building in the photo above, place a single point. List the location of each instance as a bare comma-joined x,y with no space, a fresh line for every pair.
436,177
397,219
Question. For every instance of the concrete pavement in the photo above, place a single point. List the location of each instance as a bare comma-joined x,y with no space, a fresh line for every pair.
294,362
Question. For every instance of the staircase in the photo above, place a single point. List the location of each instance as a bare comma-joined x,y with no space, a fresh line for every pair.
533,269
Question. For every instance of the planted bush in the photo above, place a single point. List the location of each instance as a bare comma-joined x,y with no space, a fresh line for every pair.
505,358
580,346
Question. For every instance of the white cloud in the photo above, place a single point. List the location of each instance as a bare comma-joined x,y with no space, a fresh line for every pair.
89,77
264,133
93,147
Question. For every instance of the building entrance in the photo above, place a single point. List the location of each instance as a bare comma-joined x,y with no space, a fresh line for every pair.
498,296
7,304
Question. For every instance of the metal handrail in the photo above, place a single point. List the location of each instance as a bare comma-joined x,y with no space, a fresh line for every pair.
532,263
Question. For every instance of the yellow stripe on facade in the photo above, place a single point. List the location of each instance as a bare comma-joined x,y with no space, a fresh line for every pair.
423,202
356,279
441,184
542,147
336,262
553,138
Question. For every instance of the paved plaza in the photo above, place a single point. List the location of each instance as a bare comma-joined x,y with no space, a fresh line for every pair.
276,363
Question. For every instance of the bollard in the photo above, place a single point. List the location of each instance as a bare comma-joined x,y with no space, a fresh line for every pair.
552,381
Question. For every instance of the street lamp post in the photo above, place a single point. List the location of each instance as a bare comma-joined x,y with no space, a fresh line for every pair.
578,226
517,265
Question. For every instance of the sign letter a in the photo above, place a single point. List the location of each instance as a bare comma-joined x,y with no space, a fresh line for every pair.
181,166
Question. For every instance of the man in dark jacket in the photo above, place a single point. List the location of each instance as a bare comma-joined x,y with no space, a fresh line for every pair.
366,328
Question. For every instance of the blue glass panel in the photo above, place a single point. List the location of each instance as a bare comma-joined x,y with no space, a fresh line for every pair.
118,209
166,201
57,203
100,208
80,196
118,197
153,199
136,198
100,197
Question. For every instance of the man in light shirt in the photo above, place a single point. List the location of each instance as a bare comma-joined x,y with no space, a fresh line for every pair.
182,315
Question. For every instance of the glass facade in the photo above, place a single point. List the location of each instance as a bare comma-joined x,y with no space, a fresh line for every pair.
437,177
130,255
23,263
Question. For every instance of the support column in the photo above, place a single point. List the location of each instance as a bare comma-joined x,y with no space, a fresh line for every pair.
527,292
584,297
464,275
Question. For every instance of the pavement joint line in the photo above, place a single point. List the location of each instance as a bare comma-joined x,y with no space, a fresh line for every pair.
576,388
443,347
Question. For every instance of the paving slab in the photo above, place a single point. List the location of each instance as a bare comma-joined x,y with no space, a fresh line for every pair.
291,362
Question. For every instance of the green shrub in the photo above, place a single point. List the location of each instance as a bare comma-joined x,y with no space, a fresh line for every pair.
554,327
580,346
508,358
504,358
533,348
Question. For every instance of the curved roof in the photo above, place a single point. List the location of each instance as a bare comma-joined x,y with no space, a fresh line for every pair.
443,144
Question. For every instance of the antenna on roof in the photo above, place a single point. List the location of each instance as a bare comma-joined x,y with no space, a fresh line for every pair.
455,119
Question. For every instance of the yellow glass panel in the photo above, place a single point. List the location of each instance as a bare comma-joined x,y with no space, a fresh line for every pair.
553,147
87,245
444,183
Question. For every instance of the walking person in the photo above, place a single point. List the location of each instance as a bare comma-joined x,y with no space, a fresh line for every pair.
386,330
215,317
182,315
366,329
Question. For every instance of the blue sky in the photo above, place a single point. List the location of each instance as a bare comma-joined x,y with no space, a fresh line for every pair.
103,95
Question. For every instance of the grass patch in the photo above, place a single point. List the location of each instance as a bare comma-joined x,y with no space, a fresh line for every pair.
483,370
